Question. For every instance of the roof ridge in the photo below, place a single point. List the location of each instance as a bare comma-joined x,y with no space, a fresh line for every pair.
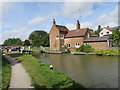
61,25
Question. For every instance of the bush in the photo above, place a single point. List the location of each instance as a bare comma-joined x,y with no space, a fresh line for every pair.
85,48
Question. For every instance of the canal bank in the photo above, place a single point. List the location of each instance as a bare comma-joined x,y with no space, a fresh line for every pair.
91,71
42,76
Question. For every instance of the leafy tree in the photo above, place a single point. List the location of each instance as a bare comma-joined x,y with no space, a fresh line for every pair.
91,30
116,37
98,30
26,43
39,38
13,41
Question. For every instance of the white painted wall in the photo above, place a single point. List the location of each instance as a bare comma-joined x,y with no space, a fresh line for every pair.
104,32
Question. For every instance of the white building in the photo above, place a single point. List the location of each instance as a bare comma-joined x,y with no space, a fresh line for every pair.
105,31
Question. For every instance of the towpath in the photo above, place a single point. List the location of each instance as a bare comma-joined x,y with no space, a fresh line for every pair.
19,77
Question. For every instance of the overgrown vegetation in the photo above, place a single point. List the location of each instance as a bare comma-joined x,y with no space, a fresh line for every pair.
42,76
116,37
6,71
107,52
85,48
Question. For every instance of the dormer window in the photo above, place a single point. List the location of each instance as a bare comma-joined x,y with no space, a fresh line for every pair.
101,33
107,32
57,37
61,37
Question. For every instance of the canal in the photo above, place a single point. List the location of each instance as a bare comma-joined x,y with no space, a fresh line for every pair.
91,71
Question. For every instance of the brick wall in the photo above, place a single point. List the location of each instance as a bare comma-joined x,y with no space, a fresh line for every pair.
98,45
72,41
101,46
54,44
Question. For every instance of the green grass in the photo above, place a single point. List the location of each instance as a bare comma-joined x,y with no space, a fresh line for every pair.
6,71
35,48
42,76
107,52
56,51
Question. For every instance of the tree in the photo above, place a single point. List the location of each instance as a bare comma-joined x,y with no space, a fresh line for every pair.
39,38
26,43
98,30
13,41
91,30
115,37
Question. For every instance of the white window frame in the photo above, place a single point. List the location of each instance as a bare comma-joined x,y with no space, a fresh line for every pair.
61,37
77,45
57,37
68,45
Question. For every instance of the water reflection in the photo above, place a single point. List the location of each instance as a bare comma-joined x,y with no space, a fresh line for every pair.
89,70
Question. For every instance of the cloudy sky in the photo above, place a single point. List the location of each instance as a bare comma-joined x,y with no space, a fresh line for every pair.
19,19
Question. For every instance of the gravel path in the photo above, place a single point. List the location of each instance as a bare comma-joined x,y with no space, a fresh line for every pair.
19,77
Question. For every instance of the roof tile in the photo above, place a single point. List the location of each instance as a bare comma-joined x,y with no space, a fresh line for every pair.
62,28
74,33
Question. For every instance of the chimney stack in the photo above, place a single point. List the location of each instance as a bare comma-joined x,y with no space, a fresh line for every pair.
54,22
78,25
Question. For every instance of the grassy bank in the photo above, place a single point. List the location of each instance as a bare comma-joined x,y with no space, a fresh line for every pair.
6,71
107,52
42,76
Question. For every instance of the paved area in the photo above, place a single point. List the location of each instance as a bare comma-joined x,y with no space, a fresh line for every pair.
19,77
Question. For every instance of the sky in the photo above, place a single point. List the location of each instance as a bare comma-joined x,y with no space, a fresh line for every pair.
19,19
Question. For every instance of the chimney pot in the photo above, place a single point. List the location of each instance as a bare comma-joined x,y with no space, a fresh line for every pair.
54,22
78,25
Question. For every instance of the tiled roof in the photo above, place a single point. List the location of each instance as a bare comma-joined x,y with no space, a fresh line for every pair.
110,29
62,28
93,34
74,33
95,39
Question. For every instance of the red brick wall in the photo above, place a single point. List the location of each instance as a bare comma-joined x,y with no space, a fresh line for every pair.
72,41
99,45
54,44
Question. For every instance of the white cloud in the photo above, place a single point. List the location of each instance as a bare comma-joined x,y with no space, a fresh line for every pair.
36,20
0,14
19,33
75,9
70,26
109,19
40,19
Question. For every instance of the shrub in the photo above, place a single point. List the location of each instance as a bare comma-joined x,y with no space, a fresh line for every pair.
85,48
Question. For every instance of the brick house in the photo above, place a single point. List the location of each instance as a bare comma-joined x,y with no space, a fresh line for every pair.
60,36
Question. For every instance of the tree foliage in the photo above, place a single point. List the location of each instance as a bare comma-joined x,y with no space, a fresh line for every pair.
98,30
39,38
85,48
115,36
26,43
13,41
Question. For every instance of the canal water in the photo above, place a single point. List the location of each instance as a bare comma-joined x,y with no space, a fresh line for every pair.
91,71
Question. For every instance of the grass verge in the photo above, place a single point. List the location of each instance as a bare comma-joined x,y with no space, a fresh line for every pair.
6,73
107,52
42,76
